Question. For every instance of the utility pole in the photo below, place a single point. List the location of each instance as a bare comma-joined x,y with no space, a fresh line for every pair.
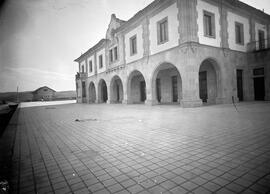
17,94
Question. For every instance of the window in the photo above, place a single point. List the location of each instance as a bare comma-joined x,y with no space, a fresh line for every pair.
209,24
239,33
115,53
83,90
261,39
111,55
162,31
100,61
90,66
82,68
133,45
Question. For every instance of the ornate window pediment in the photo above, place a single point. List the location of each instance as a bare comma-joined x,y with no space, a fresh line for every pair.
114,24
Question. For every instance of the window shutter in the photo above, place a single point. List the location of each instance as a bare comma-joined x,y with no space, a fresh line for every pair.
158,33
242,34
213,23
205,26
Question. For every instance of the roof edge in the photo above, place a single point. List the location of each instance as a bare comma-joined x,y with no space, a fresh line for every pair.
96,46
43,87
156,2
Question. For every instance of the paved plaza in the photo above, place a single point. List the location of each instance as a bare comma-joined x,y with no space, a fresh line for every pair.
82,148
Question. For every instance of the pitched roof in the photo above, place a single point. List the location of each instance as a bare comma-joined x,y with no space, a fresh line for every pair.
42,88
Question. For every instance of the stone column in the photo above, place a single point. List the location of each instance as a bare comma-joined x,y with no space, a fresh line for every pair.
122,48
234,85
87,93
190,79
268,36
267,79
190,90
109,101
97,93
124,83
150,97
79,98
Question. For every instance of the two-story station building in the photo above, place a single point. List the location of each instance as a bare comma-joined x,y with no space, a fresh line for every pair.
186,52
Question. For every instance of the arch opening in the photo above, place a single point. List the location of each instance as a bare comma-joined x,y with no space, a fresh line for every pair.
102,90
208,81
167,84
92,93
136,88
116,90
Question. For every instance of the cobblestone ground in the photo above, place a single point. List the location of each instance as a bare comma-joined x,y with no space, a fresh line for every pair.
142,149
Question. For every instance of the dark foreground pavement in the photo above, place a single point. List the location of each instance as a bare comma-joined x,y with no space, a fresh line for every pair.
142,149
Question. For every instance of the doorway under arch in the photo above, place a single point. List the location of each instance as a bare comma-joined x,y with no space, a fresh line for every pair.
92,93
102,91
116,90
167,84
208,81
136,88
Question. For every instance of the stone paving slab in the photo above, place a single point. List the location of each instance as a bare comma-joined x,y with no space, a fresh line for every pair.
142,149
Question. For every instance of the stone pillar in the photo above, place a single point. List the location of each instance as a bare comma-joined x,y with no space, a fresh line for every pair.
87,93
150,97
267,67
268,36
97,93
224,27
122,48
234,85
252,30
190,90
126,90
125,97
187,16
109,101
267,79
80,91
146,34
190,79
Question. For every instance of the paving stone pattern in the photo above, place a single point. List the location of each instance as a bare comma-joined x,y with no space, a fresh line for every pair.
142,149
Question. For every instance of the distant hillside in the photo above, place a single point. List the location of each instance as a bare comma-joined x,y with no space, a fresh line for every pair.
65,95
12,96
28,96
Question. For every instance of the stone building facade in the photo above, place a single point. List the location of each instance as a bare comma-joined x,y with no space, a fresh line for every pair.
186,52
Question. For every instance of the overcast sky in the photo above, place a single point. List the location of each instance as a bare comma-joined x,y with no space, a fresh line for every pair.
39,39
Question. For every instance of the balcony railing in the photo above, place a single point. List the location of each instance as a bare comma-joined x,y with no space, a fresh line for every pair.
80,75
260,45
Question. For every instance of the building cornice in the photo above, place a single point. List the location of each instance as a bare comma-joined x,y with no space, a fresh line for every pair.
234,4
